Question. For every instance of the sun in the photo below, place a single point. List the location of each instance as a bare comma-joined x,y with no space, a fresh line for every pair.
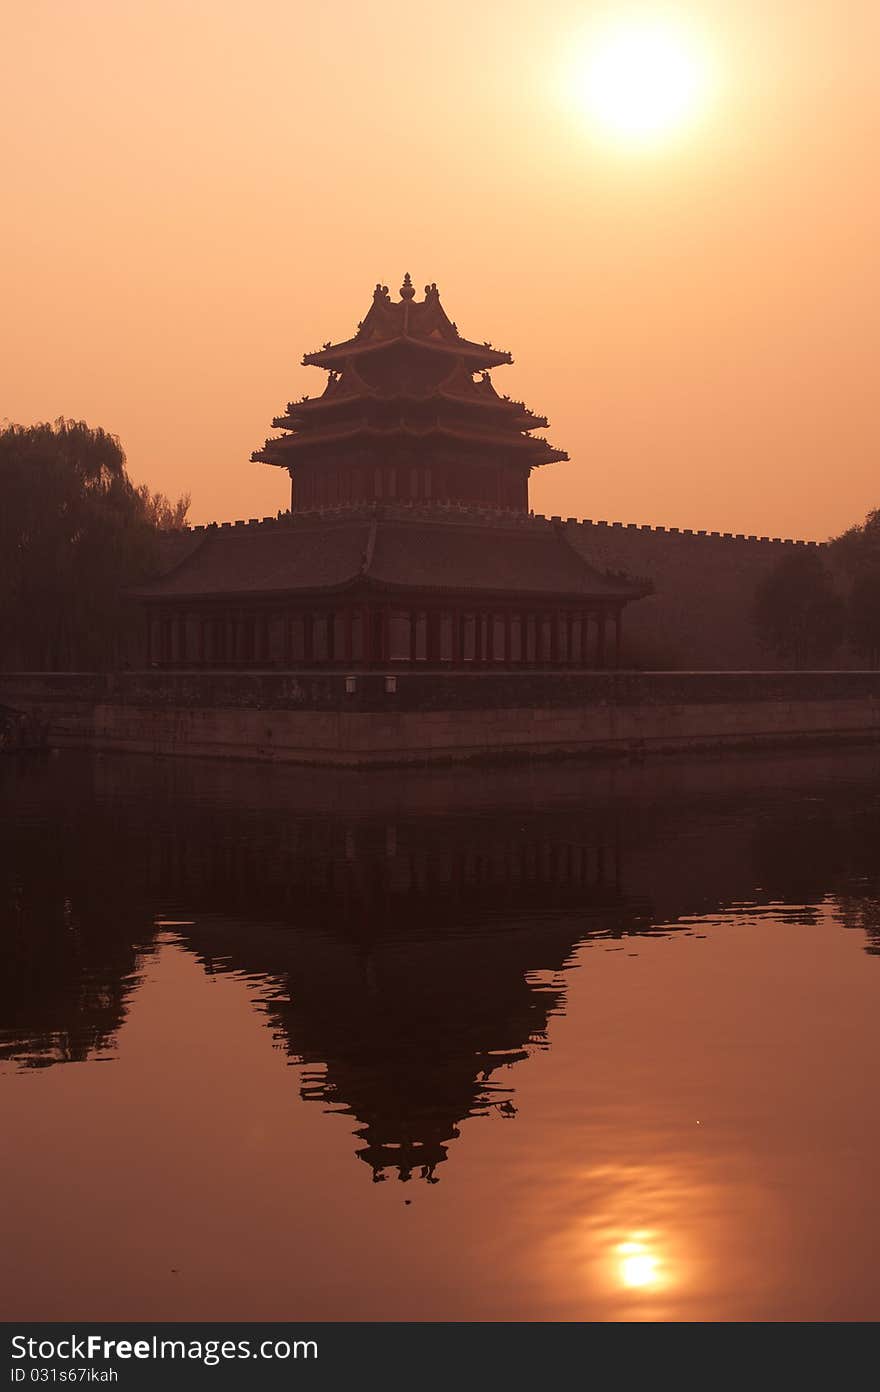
643,80
640,1265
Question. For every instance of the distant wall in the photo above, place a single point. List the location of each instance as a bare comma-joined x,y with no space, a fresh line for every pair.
701,613
441,717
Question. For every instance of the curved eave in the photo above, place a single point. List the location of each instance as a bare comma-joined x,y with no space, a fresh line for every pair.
294,444
513,413
537,597
223,596
264,456
336,355
389,587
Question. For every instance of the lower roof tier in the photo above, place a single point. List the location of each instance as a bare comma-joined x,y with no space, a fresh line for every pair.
284,450
381,549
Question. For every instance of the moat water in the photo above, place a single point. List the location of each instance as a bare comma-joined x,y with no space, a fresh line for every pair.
564,1042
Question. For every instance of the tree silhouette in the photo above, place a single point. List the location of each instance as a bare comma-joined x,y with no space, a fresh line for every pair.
858,548
856,553
797,611
863,615
74,531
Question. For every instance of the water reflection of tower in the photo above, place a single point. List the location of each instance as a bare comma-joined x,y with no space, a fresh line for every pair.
423,959
408,933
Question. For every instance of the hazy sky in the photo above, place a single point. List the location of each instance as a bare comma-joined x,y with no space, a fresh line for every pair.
198,191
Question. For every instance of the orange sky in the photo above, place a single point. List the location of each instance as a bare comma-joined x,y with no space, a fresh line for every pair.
198,191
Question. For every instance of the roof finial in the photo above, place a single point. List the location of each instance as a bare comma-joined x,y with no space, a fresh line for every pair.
407,289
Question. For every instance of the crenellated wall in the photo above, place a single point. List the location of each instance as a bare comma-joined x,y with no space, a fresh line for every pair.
700,615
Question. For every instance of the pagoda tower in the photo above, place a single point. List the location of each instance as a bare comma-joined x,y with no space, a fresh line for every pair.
409,415
409,542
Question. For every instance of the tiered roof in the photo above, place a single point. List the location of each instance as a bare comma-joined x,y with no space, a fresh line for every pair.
407,375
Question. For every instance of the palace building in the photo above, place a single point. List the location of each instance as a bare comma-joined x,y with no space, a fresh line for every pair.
409,539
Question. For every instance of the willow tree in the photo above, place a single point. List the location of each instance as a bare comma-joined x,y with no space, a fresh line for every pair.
74,532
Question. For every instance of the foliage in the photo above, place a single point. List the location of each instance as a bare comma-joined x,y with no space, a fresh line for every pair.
797,611
863,614
856,552
74,531
858,548
161,512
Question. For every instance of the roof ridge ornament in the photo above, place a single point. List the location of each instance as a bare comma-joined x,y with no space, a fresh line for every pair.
407,289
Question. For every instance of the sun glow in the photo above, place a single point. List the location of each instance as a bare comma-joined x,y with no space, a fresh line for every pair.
643,80
638,1267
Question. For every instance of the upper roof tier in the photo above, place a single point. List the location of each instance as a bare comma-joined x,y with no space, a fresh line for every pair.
420,323
408,393
455,386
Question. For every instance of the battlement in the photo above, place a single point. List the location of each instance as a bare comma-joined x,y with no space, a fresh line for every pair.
509,517
689,534
388,510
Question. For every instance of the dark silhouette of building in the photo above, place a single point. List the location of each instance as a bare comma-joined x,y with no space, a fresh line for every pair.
409,413
409,539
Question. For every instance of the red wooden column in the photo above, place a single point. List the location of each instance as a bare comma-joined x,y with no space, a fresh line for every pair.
457,638
364,620
508,645
617,618
349,646
385,631
554,637
413,635
600,639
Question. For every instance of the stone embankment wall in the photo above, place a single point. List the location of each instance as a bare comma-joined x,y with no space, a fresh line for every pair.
400,718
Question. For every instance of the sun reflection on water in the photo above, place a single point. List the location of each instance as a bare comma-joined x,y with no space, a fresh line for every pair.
634,1240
